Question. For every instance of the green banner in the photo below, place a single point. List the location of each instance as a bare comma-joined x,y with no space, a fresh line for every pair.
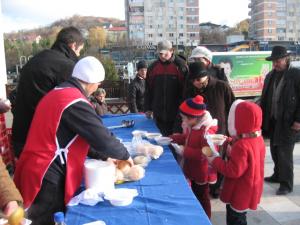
245,70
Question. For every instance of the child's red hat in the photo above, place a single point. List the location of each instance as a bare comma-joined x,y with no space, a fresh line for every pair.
193,107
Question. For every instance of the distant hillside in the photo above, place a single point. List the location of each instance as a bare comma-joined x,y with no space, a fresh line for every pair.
86,22
81,22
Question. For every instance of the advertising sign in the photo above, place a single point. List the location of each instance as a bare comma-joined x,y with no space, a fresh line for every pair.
245,71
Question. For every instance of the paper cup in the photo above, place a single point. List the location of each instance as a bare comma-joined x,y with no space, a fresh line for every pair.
99,175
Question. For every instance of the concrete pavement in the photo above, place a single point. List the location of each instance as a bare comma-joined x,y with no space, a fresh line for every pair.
273,210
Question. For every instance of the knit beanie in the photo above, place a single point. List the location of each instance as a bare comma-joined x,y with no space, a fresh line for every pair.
197,70
201,52
193,107
141,65
89,69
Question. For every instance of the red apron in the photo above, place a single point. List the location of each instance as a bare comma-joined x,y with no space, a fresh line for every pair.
42,147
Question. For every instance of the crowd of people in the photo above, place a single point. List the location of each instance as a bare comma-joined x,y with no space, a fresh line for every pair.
56,125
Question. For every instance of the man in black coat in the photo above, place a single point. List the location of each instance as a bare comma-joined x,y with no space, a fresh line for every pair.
280,102
41,74
218,95
137,88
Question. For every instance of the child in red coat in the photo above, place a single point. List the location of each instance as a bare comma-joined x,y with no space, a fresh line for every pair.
244,170
197,122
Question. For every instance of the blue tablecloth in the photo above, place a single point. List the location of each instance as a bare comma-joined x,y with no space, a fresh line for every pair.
164,195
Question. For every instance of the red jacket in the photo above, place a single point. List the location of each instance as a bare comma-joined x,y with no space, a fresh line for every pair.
195,165
41,147
244,170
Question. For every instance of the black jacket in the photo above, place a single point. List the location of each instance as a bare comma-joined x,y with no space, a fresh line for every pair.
82,119
217,72
42,73
218,97
164,88
136,95
288,107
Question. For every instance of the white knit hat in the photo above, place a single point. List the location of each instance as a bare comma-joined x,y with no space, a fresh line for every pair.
89,69
201,52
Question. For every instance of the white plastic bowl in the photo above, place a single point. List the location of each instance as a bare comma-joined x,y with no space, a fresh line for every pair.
121,196
139,132
163,140
152,136
217,139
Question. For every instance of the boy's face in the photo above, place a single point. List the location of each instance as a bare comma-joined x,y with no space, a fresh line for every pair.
190,121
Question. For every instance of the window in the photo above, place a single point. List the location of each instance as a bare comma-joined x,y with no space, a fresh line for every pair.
150,35
280,38
291,39
192,35
280,30
171,35
180,34
160,35
181,26
270,31
270,22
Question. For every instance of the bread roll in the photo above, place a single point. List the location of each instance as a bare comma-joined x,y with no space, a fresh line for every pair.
207,151
119,175
140,160
142,149
155,151
136,173
124,166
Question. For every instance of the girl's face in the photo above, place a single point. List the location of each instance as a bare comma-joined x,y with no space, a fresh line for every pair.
101,97
190,121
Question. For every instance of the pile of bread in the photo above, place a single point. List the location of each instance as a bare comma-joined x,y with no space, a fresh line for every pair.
148,149
145,152
126,172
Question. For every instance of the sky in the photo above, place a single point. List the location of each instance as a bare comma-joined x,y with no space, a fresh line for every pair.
28,14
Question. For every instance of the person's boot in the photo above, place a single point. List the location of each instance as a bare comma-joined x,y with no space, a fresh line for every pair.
271,179
283,190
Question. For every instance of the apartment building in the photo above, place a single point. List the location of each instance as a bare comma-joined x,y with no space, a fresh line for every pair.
274,20
150,21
